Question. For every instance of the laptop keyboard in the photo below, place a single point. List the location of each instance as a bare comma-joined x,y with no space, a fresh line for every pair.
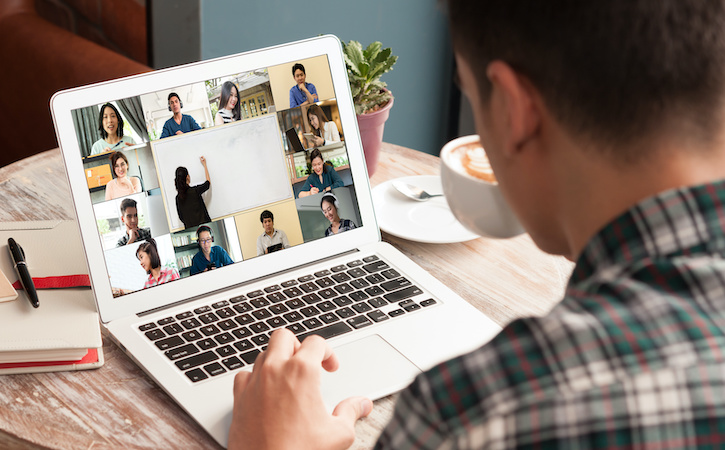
229,334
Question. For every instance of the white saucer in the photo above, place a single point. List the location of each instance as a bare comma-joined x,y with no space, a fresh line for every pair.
430,222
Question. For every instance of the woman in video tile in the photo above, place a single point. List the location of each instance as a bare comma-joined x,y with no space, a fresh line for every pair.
229,109
189,203
122,184
110,124
323,178
329,206
148,257
324,132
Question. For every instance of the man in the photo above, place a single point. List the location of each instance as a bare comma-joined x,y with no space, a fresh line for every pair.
603,122
301,93
271,240
129,217
178,123
209,256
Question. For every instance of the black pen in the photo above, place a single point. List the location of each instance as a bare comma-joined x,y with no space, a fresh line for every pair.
16,251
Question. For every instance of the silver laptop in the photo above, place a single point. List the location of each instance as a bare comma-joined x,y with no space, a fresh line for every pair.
194,296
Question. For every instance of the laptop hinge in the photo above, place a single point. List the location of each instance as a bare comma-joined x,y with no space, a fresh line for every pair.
237,286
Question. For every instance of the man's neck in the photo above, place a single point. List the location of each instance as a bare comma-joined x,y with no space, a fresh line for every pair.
271,233
178,116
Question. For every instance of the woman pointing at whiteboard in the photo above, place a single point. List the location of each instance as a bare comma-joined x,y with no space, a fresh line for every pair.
189,204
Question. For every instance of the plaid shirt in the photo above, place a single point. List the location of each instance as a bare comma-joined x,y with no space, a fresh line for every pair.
631,358
165,275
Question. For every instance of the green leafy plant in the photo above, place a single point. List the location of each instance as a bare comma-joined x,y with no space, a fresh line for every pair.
364,69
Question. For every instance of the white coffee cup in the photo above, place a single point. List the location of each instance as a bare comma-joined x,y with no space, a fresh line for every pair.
477,204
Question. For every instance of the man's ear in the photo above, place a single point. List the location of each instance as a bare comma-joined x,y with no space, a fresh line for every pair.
516,100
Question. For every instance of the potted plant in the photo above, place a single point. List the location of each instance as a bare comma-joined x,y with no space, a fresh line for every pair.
372,100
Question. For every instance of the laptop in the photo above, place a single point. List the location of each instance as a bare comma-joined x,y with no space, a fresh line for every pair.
193,297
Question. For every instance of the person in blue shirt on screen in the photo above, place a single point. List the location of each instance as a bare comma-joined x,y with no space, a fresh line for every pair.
178,123
209,256
302,93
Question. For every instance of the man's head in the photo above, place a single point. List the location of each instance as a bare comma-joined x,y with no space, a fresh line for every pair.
267,219
175,103
129,214
299,74
204,238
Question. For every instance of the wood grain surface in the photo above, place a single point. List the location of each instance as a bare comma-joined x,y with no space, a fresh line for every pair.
118,405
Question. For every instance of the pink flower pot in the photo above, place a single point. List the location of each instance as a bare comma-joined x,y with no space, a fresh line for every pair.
371,127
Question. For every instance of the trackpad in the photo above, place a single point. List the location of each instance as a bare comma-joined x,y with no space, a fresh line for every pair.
369,367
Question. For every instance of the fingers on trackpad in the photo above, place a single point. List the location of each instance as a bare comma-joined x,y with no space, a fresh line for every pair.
369,367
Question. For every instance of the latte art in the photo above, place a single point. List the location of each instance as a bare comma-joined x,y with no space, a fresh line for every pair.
471,159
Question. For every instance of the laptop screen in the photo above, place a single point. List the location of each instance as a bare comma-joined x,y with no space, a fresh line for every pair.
196,178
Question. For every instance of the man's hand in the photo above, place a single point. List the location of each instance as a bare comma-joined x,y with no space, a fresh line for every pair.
179,132
279,404
132,235
302,87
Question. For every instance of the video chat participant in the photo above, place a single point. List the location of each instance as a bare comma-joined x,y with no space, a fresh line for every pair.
272,239
323,177
129,217
603,122
148,256
209,256
329,206
324,131
229,106
122,184
189,203
302,93
178,123
110,125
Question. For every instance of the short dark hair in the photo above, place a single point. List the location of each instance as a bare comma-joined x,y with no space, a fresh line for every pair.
115,156
202,229
173,94
127,203
119,130
298,66
149,247
610,71
266,214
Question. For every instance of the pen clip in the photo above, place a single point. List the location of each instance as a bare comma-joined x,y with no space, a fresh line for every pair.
22,252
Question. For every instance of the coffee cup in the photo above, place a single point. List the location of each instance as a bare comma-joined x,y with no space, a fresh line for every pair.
472,191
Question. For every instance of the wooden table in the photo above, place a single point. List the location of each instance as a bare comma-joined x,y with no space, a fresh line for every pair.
119,406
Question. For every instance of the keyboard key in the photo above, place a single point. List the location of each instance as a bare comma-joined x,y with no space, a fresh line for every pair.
377,302
309,311
243,307
428,302
312,323
261,314
203,310
190,324
272,288
166,321
259,302
220,304
276,322
232,363
328,318
181,352
147,326
225,312
373,291
344,288
339,268
196,360
311,298
206,344
306,278
327,332
411,307
341,277
258,327
322,273
371,258
155,335
293,292
294,316
227,324
359,322
326,306
173,328
296,328
192,335
359,283
225,351
224,338
208,317
344,313
358,296
249,357
289,283
396,312
244,345
390,274
295,303
342,300
210,330
237,299
278,309
173,341
260,339
276,297
244,319
376,266
242,333
309,287
257,293
395,284
356,272
361,307
375,278
214,369
402,294
184,315
325,282
378,316
196,375
355,263
327,293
